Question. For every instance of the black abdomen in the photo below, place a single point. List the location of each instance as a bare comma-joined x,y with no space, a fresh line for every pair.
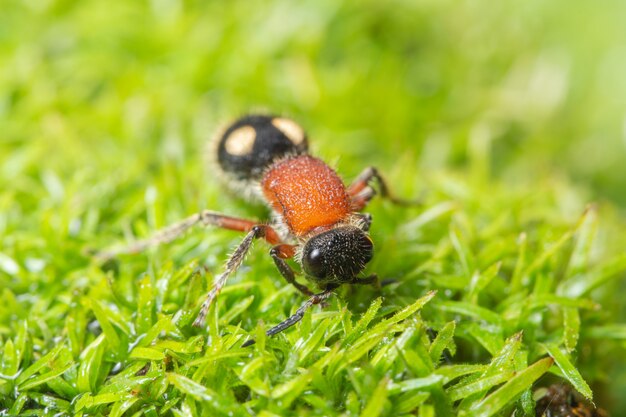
253,142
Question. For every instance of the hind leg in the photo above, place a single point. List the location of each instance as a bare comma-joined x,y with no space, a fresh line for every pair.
362,192
172,232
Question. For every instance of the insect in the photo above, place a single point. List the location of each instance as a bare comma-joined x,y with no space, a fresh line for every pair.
317,220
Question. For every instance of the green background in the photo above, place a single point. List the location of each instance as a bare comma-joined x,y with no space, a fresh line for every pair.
511,108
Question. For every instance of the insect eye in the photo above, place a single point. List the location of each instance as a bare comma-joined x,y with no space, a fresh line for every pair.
313,262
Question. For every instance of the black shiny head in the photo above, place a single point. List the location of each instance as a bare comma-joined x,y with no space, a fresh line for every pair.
337,255
253,142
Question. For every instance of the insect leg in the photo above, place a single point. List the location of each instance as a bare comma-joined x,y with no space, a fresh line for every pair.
281,252
170,233
361,191
290,321
372,279
362,198
233,263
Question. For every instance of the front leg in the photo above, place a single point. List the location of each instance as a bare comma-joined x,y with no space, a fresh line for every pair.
290,321
369,280
281,252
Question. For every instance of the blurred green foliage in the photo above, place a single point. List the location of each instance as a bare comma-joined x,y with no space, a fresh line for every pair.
540,82
508,116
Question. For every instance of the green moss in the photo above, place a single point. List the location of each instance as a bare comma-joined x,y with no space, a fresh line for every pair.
506,119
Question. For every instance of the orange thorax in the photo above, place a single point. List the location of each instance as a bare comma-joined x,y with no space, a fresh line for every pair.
307,193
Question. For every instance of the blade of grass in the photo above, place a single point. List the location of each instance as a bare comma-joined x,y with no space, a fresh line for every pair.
568,369
497,400
376,402
571,325
43,362
201,393
444,340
